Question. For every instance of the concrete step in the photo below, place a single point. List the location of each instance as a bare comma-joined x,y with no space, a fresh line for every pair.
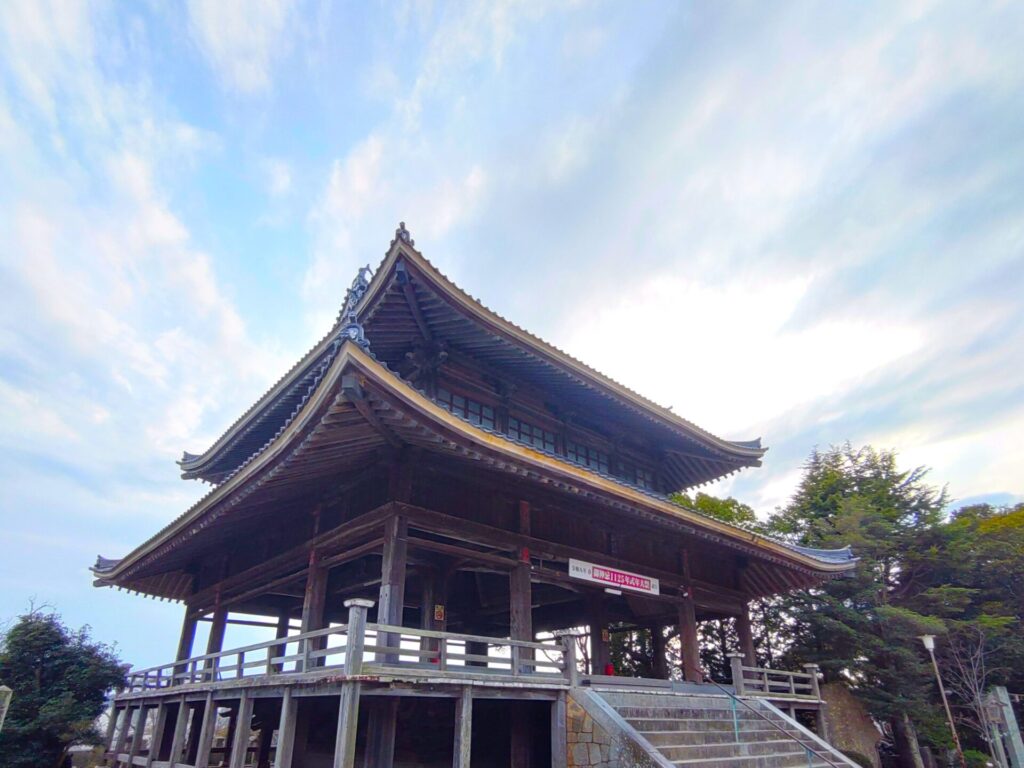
663,723
727,750
683,736
623,699
785,760
684,713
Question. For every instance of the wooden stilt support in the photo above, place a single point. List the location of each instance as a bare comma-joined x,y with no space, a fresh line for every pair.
286,731
112,715
559,737
348,722
462,749
283,626
521,598
156,737
380,741
205,741
187,639
243,728
122,733
141,715
178,740
746,635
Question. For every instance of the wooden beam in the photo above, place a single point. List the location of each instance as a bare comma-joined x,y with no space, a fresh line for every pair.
559,729
348,722
354,393
206,732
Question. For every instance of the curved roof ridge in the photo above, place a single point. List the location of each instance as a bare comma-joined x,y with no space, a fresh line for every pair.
407,249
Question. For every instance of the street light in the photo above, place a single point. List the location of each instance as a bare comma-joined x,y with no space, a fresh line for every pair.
929,644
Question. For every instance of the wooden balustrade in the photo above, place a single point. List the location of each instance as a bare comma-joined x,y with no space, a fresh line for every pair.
406,647
774,683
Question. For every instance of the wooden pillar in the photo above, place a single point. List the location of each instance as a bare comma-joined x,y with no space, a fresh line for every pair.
188,634
229,739
215,642
746,636
178,740
243,727
660,662
392,585
690,650
206,732
196,716
284,623
521,596
263,746
600,655
689,641
462,749
286,731
559,737
313,603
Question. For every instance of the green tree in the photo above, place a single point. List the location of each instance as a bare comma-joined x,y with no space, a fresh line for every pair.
727,510
60,679
864,629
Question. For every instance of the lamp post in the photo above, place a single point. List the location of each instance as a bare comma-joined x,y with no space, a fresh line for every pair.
929,644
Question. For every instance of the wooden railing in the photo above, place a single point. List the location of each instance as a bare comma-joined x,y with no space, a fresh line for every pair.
774,683
360,648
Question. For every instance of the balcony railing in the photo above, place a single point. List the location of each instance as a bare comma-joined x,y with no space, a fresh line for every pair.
360,648
774,683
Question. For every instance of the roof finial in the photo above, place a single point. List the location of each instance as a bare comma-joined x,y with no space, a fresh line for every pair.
352,328
403,234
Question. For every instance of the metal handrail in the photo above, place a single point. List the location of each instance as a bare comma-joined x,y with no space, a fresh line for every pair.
736,699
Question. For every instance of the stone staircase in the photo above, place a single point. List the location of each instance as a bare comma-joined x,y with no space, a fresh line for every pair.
704,731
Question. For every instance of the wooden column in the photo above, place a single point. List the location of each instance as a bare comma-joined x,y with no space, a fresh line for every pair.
206,732
178,740
392,585
689,641
559,737
313,603
746,635
215,641
284,623
243,727
348,703
286,731
521,595
660,662
462,749
599,652
690,650
188,634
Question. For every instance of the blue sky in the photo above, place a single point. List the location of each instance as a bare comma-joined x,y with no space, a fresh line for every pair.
799,221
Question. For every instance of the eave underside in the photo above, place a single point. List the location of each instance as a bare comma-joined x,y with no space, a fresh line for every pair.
360,422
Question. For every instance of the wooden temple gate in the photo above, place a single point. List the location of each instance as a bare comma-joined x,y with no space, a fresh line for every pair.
410,521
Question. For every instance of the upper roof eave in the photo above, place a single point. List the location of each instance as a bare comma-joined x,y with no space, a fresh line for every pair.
195,465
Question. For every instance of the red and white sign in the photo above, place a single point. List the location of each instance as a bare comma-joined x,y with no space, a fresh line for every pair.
613,577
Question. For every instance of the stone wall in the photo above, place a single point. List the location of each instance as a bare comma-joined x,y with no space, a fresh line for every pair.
598,738
850,727
589,743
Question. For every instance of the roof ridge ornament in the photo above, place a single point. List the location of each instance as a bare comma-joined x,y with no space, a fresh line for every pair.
348,318
403,234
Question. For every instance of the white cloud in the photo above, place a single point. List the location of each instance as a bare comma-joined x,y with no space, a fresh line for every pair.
241,39
278,177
